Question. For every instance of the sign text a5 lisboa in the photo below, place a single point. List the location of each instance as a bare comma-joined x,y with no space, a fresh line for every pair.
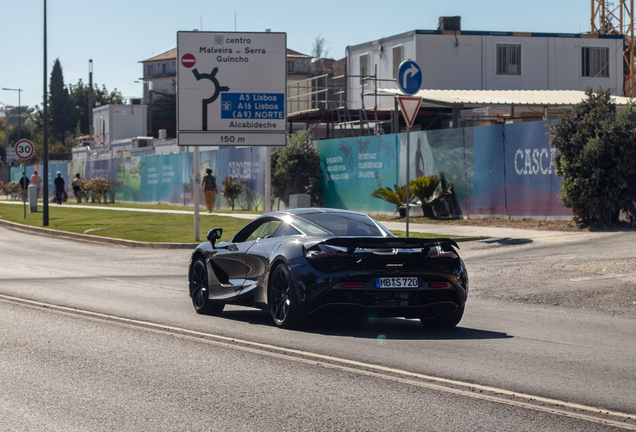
232,88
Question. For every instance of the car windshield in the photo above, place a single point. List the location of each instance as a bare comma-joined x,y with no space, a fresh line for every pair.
342,224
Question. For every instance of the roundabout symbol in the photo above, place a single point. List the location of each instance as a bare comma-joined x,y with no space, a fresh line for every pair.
217,91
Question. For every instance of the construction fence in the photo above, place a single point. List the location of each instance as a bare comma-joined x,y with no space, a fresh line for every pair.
502,170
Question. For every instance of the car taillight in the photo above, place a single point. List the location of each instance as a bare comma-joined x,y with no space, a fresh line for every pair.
353,285
318,252
437,285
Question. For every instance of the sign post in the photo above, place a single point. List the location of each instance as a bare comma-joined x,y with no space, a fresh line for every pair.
409,80
24,149
231,91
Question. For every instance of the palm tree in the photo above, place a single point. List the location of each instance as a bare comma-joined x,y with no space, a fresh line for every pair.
397,197
430,190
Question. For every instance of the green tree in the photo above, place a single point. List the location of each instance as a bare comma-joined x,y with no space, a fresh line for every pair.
60,106
595,158
296,169
19,115
78,94
164,108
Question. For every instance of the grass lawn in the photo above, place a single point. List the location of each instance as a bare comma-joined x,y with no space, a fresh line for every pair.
138,226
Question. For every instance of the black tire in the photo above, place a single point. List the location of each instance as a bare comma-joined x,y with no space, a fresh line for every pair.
199,290
444,321
281,298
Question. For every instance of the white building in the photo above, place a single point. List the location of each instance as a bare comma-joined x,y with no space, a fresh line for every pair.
478,60
116,122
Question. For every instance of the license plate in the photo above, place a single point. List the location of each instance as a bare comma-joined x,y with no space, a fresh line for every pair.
396,282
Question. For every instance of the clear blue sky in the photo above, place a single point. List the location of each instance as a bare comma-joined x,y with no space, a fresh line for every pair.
117,34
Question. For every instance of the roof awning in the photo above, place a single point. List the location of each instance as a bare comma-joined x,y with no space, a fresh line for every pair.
503,97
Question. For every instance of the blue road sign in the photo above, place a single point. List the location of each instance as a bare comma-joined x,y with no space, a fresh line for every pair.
409,77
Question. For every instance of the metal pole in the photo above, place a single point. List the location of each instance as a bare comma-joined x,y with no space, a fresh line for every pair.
408,174
24,191
90,98
19,114
267,206
45,140
197,185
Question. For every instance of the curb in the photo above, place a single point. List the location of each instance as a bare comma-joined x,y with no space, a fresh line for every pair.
93,239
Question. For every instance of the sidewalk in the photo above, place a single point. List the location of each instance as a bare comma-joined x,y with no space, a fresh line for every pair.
506,234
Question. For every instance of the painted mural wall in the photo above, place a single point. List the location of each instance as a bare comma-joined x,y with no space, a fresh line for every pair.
167,178
499,170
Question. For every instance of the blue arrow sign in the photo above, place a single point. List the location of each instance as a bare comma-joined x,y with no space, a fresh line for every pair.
409,77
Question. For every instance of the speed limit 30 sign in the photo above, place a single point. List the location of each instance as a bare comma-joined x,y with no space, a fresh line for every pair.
24,149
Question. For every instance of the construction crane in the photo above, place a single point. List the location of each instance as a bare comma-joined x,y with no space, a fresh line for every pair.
618,18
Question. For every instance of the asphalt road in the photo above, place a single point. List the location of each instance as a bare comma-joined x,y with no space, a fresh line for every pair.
523,331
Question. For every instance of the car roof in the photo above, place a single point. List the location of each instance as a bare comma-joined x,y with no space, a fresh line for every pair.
309,210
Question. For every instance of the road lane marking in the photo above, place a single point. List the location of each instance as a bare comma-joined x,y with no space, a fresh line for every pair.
475,391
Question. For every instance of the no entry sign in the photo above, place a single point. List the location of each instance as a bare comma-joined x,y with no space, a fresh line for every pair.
188,60
24,149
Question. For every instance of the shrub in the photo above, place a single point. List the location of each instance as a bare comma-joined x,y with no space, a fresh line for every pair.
296,169
430,190
397,197
95,189
10,188
596,147
232,189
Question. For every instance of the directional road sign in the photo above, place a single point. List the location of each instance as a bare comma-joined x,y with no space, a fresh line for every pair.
232,88
409,77
24,149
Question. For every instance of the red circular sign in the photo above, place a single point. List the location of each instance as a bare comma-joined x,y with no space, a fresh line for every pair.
188,60
24,149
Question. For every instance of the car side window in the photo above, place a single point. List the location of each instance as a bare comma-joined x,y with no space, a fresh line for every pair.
264,231
249,230
287,230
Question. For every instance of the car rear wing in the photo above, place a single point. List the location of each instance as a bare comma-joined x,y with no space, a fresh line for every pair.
353,243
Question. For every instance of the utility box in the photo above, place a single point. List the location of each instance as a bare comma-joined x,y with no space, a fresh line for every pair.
32,194
299,201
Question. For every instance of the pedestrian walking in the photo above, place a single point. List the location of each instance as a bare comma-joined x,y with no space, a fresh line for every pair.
77,189
59,188
37,181
24,185
208,185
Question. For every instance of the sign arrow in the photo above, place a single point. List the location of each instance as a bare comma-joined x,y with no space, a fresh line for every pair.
409,72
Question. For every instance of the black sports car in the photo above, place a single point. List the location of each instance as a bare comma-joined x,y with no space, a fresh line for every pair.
324,262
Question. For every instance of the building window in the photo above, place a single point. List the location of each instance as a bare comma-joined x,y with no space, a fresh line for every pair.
149,70
290,66
364,66
163,69
508,59
397,59
595,62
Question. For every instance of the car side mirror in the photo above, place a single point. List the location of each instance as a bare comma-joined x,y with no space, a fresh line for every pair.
214,235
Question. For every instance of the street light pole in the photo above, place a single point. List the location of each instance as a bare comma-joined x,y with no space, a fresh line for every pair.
19,90
45,139
90,98
6,132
